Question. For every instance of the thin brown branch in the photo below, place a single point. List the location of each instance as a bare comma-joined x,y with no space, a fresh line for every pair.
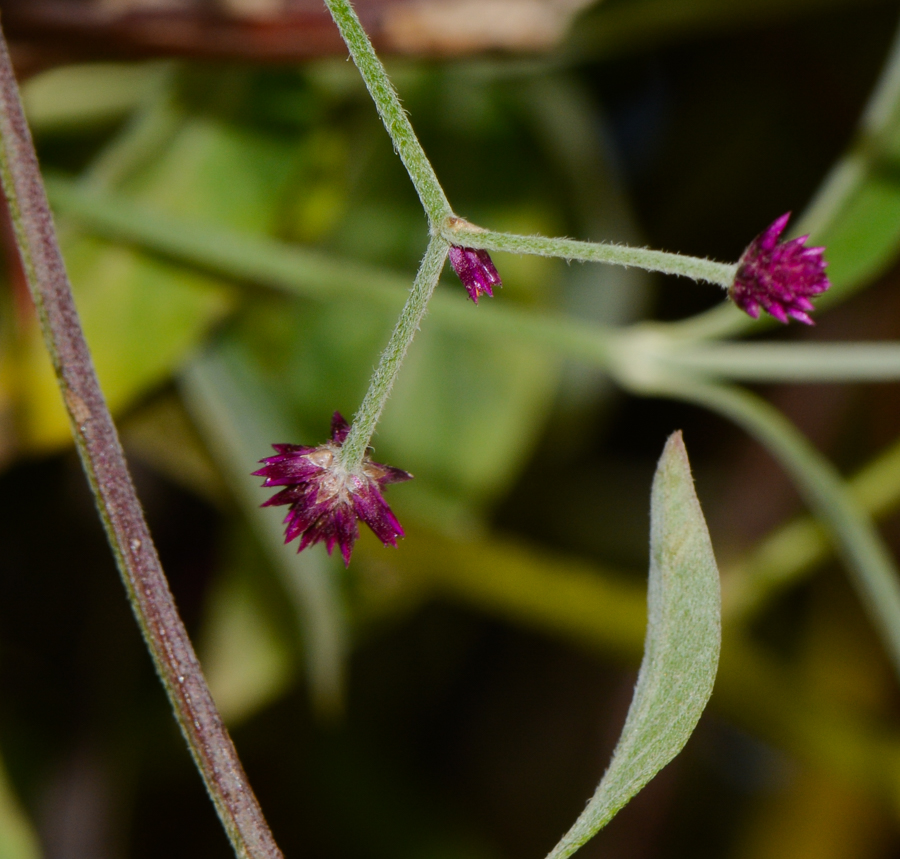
104,462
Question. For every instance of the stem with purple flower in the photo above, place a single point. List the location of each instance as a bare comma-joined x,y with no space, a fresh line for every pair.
328,488
775,276
460,232
450,233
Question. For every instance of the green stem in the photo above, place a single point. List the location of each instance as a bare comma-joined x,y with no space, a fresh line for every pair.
793,550
302,272
786,362
858,541
354,448
459,232
391,111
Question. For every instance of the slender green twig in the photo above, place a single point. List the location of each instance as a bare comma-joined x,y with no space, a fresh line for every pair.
459,232
857,539
436,208
391,111
354,448
104,463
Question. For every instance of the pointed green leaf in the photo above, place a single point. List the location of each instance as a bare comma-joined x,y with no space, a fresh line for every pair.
681,650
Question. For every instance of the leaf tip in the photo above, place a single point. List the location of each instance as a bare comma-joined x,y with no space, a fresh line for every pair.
674,442
674,455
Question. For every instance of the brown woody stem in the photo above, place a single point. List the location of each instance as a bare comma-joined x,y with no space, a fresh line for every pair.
118,505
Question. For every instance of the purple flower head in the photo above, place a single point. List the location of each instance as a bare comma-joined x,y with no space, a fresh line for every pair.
325,499
778,276
476,270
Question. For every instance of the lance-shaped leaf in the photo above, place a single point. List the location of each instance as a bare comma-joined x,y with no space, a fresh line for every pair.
681,650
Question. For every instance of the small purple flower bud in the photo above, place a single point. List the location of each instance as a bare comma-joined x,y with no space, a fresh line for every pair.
325,499
476,270
779,276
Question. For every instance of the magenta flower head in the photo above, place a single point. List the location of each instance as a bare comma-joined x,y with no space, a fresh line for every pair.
779,276
476,270
325,499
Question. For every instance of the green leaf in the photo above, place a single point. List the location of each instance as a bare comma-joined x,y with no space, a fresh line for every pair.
464,416
863,236
681,650
141,317
221,173
81,96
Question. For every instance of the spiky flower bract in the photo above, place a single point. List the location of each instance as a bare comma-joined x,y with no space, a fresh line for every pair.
325,499
779,276
476,270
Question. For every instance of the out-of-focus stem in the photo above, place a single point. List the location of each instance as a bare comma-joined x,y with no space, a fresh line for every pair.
856,538
792,551
118,505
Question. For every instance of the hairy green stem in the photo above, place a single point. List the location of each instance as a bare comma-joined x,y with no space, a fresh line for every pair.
104,463
436,206
459,232
364,421
391,111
